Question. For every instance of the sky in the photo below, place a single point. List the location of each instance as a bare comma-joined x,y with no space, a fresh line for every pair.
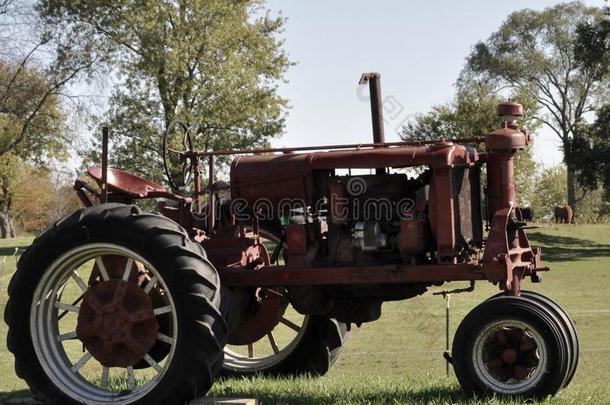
419,47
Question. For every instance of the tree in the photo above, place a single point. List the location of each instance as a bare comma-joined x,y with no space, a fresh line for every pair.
37,62
534,52
473,113
551,187
593,44
212,64
40,197
592,141
591,147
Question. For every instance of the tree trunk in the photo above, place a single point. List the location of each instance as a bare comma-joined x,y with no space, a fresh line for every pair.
570,168
6,226
571,186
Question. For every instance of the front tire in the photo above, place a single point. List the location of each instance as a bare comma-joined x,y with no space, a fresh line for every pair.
161,338
567,326
513,347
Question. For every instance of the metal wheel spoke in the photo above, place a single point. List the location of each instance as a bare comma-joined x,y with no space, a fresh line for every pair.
250,350
104,381
290,324
81,284
273,343
162,310
102,268
165,338
80,366
151,362
67,307
67,336
131,378
151,283
76,301
81,362
127,270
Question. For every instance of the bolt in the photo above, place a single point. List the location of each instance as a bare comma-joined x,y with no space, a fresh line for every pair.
509,356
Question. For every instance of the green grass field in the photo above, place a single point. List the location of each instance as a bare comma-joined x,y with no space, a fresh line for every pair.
398,359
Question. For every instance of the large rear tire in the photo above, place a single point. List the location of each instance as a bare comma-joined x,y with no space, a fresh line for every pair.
157,258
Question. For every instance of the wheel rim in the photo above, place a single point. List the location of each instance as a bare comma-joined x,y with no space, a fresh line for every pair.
278,343
54,313
510,356
275,346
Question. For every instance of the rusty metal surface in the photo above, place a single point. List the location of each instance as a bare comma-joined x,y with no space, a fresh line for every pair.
374,81
355,146
270,309
232,249
453,210
290,174
125,182
116,323
104,178
289,275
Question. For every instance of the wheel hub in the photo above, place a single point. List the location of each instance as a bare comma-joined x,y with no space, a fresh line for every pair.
269,310
116,323
511,355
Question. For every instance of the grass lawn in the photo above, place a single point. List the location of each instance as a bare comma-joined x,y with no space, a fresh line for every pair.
398,359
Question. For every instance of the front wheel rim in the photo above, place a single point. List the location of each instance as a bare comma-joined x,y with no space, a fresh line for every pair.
510,364
49,341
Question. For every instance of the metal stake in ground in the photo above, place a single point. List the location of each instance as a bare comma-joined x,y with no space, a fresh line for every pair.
447,298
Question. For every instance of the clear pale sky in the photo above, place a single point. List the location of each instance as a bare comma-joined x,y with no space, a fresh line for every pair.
419,47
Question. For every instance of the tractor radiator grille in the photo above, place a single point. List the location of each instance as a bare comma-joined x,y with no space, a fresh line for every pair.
467,205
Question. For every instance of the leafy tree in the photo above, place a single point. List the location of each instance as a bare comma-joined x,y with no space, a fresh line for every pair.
40,198
592,142
551,187
593,44
473,113
534,52
591,147
37,62
212,64
31,119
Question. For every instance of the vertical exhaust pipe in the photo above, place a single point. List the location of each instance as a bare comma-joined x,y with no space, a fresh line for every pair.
374,81
104,165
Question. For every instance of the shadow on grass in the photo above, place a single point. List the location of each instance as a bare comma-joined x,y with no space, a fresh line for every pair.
11,250
441,395
4,396
391,395
567,248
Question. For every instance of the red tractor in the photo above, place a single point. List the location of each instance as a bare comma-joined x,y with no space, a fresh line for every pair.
115,305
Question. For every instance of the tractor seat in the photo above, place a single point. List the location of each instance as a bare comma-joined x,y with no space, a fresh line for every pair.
126,183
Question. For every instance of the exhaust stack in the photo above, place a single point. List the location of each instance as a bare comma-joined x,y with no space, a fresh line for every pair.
374,81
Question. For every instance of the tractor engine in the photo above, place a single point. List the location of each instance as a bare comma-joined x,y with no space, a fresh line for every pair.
370,219
330,210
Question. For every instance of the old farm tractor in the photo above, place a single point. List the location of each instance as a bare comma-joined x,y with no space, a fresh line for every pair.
266,273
